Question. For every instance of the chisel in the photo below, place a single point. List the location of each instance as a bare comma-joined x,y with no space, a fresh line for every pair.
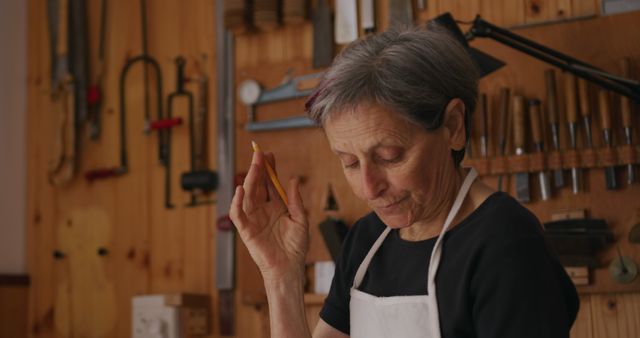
346,22
605,123
322,32
483,125
625,108
522,178
367,16
538,141
400,13
502,127
552,110
585,110
572,122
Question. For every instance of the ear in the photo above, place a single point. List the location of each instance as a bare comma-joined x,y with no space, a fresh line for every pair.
454,124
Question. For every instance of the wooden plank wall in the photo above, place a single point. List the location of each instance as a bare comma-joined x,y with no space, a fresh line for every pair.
152,250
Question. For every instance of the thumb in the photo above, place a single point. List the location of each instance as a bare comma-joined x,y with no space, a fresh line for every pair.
296,207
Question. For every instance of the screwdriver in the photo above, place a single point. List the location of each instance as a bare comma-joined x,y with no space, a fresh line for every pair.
625,107
538,141
572,121
605,122
552,110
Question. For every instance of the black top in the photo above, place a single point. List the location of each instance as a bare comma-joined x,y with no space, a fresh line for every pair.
497,276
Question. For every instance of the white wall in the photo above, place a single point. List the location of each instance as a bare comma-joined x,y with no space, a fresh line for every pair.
13,76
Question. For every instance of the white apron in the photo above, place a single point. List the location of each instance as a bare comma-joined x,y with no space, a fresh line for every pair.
402,316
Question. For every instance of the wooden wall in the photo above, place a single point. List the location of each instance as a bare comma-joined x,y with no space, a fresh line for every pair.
153,250
14,298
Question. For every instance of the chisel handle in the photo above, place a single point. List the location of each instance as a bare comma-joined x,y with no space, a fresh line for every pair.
605,113
552,99
518,124
583,95
570,93
502,121
625,106
534,118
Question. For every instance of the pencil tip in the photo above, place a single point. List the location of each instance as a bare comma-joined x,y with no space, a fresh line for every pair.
254,145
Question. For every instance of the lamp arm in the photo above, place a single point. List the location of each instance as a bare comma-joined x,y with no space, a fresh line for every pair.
626,87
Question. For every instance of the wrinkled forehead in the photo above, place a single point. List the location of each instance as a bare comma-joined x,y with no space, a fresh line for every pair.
367,125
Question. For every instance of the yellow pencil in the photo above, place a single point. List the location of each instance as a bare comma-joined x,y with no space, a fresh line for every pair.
272,176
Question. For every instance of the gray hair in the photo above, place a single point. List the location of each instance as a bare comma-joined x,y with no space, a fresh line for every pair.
415,72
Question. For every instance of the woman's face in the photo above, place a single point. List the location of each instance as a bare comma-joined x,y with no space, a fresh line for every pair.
398,168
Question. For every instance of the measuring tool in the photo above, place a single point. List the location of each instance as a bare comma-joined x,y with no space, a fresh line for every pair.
252,95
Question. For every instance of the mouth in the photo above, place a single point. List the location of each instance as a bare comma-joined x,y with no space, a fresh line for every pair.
392,205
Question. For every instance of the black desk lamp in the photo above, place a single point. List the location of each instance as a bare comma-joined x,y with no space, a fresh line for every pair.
488,64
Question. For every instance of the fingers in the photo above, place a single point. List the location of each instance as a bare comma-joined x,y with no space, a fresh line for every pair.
254,183
296,207
236,213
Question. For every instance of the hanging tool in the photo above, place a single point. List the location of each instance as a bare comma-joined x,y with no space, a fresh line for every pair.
95,92
605,123
180,91
422,4
483,125
346,22
400,13
367,16
503,126
522,178
625,108
251,94
79,57
585,111
538,141
322,33
623,269
62,162
225,124
552,110
145,72
572,122
199,180
124,164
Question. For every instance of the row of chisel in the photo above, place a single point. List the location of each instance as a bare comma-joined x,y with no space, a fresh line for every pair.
518,116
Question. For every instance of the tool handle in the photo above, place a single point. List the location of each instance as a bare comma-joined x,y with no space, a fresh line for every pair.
180,78
552,99
483,115
625,105
97,174
534,118
570,93
518,122
504,116
166,123
63,28
583,95
605,114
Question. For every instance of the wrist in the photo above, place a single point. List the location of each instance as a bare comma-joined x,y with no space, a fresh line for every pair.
289,277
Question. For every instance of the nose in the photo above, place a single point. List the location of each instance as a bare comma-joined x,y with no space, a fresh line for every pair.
373,182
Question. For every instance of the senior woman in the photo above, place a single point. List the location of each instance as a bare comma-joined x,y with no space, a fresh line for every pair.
441,254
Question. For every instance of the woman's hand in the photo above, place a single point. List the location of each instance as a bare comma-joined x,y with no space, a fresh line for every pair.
277,236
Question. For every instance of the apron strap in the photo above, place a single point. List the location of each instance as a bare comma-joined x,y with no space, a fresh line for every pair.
434,263
362,269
